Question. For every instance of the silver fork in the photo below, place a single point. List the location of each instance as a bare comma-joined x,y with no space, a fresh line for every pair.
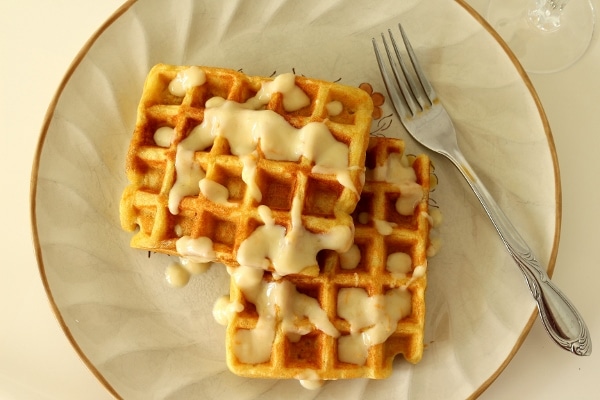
426,119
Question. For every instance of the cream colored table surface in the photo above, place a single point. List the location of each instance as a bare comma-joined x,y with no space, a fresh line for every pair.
38,42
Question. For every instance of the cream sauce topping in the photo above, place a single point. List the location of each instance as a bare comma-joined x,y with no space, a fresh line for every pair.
198,250
334,108
214,191
249,176
435,241
178,230
364,218
399,264
436,217
277,301
351,258
418,272
224,309
435,244
245,125
163,136
310,379
397,170
289,251
189,174
194,267
372,320
178,274
412,194
351,349
384,228
187,79
294,97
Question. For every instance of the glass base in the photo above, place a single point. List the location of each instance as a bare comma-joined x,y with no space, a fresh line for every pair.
539,50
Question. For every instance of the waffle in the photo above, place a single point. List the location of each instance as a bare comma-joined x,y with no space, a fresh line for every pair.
295,338
246,185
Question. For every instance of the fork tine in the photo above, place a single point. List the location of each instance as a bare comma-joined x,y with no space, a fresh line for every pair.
416,93
431,95
397,100
406,91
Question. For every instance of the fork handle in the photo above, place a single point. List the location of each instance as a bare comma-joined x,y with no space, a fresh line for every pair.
561,319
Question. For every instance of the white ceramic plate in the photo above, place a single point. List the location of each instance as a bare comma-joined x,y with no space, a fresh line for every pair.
146,340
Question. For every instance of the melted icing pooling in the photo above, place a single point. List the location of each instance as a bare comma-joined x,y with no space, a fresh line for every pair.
289,251
224,309
384,228
187,79
397,170
351,258
372,320
214,191
275,302
178,274
334,108
399,264
310,380
294,97
163,136
246,124
199,250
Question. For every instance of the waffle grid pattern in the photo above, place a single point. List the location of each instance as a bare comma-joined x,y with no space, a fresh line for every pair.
317,351
151,171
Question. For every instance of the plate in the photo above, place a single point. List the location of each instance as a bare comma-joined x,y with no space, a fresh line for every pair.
146,340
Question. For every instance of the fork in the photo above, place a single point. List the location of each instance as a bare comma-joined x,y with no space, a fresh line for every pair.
428,122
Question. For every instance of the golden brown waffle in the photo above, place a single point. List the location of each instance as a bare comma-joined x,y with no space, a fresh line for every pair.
315,355
322,202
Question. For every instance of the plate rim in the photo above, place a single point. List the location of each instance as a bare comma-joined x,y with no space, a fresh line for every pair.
121,11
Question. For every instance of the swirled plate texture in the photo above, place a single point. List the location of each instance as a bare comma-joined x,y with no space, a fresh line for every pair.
146,340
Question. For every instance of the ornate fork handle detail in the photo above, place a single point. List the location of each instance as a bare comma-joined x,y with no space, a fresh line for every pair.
561,319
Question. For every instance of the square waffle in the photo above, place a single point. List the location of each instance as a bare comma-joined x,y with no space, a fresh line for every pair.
249,188
314,328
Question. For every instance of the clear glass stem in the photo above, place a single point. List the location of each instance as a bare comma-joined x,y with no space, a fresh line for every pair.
545,35
546,14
